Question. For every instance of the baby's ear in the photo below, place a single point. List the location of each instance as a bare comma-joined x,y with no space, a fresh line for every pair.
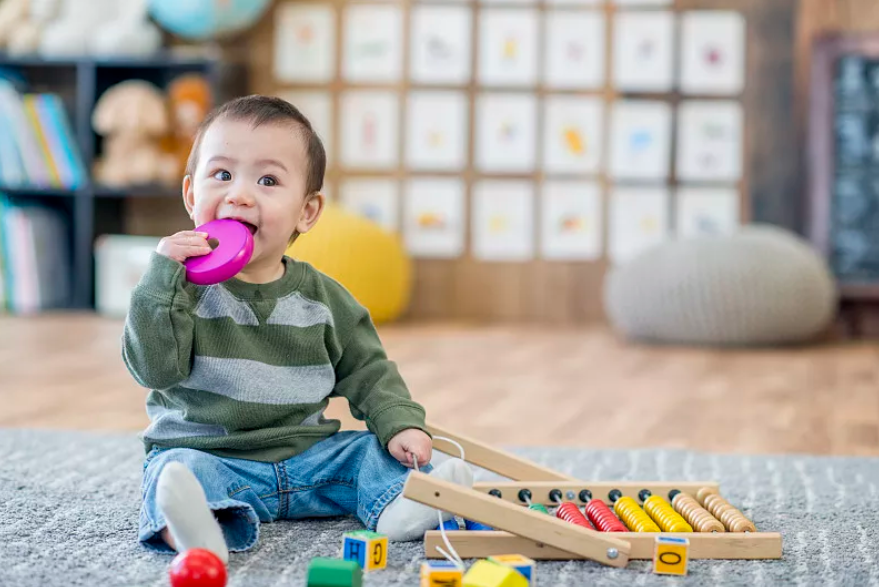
188,195
311,211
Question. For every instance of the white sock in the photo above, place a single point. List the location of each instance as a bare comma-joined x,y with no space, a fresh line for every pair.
191,523
404,519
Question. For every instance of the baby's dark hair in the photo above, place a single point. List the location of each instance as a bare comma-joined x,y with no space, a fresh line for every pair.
258,109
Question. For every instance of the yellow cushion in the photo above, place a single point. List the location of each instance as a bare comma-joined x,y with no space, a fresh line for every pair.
369,261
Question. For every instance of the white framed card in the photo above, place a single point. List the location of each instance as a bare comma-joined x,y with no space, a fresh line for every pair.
573,134
506,128
508,46
370,127
573,56
712,52
441,48
373,198
433,217
503,220
639,219
640,140
571,221
702,211
643,53
305,43
317,107
436,131
709,141
373,43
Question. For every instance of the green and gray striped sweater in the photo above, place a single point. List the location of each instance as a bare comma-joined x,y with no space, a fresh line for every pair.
246,370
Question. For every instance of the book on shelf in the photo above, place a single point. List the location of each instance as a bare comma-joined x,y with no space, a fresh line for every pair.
35,262
38,148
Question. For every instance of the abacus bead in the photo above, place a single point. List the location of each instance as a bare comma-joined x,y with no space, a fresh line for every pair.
703,493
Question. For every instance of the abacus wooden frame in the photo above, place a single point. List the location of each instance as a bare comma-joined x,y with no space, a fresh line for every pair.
526,533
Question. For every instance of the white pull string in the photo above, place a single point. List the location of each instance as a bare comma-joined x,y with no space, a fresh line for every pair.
453,558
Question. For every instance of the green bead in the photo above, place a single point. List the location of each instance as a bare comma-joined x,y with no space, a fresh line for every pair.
538,507
334,572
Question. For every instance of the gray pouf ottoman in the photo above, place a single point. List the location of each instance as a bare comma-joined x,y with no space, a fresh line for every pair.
760,286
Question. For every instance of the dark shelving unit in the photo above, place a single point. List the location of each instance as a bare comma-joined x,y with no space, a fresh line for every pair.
92,209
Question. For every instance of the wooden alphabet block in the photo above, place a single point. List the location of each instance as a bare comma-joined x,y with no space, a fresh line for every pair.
485,573
670,555
367,549
524,565
441,574
333,572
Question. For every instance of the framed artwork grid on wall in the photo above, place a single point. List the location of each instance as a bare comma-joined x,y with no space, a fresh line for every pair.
476,93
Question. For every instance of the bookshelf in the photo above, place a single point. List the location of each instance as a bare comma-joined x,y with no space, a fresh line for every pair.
92,210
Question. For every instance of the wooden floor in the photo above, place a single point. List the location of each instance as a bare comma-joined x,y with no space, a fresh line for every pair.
514,386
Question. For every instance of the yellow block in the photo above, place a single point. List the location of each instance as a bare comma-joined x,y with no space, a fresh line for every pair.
670,555
488,574
441,574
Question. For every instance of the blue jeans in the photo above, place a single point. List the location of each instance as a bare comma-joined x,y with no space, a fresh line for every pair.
348,473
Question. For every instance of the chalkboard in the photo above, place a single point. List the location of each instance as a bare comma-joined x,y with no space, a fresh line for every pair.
844,160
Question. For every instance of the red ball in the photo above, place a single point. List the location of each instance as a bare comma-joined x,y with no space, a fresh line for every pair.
197,567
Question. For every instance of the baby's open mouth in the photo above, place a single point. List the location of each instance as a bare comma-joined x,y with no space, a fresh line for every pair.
251,227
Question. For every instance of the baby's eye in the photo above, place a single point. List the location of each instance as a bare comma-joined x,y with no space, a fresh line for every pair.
223,175
268,181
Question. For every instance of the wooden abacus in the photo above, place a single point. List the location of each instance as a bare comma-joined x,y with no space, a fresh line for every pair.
512,507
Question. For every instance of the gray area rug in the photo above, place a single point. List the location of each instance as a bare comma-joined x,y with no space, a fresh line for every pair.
69,505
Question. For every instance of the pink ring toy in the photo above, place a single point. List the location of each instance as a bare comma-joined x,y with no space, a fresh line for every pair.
228,259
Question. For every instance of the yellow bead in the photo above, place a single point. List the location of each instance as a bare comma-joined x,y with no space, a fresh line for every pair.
635,519
670,555
367,549
665,517
485,573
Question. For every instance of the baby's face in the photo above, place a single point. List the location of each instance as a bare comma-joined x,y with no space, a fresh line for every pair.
255,175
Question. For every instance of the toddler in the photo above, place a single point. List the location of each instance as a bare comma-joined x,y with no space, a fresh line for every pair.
240,373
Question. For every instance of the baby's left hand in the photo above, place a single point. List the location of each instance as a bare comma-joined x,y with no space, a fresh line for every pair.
408,442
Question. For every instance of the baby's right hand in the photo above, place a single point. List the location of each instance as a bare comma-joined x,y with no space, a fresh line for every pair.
184,244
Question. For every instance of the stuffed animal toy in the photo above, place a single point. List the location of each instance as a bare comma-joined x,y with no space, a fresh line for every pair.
22,23
70,33
27,36
13,13
189,101
130,34
132,117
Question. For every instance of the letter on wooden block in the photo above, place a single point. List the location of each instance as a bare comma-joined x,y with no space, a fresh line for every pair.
367,549
670,555
441,574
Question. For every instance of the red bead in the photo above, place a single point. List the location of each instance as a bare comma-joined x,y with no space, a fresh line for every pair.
197,567
572,514
603,519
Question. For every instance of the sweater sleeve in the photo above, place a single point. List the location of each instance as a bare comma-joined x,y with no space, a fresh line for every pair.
373,386
158,332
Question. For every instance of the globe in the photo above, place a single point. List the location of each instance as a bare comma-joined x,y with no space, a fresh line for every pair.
202,20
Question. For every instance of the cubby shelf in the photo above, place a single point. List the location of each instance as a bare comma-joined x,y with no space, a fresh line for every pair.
80,82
